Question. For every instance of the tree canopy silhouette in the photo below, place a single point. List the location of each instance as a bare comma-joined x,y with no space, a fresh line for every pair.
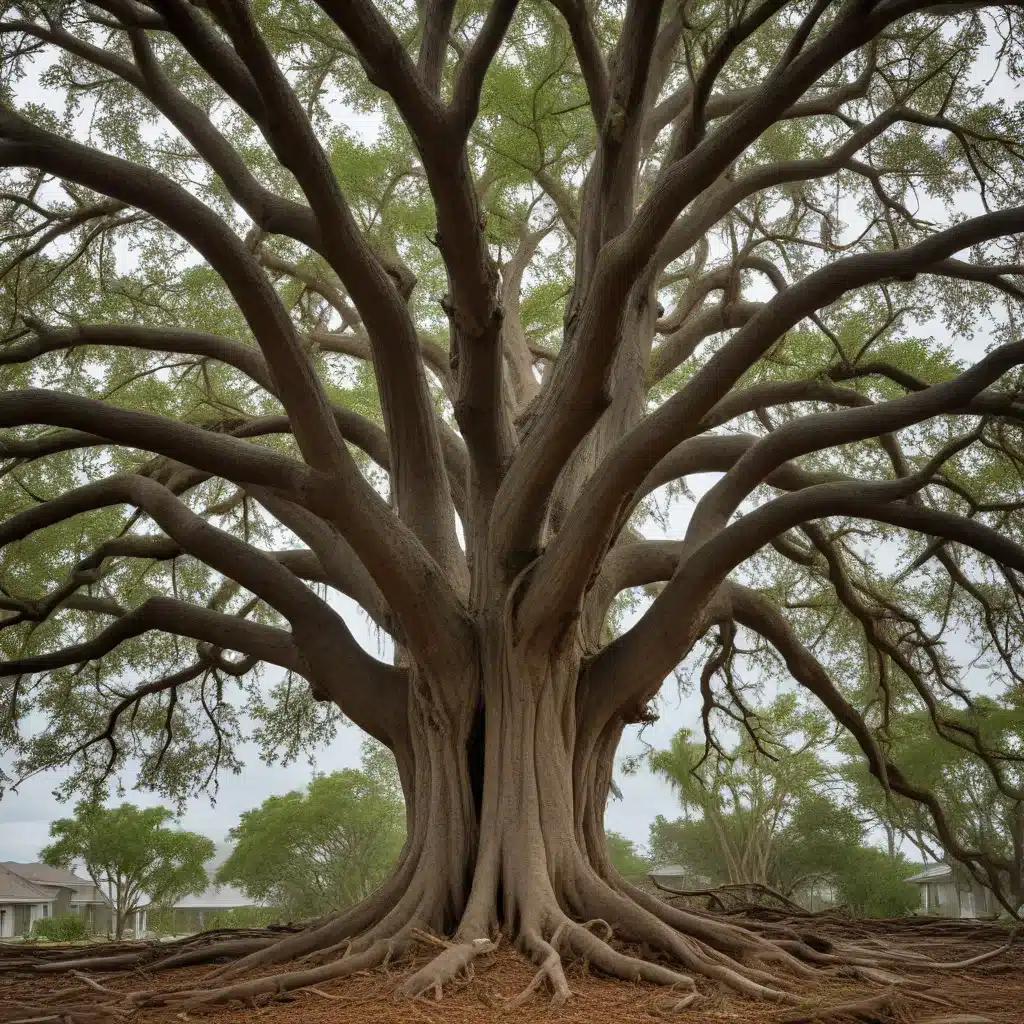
451,366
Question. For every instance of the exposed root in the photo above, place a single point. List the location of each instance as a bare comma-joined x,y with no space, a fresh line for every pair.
38,1013
319,956
736,941
981,957
958,1018
289,948
152,955
213,951
619,965
550,969
676,949
651,929
272,985
98,963
94,985
451,961
669,1008
862,1009
734,898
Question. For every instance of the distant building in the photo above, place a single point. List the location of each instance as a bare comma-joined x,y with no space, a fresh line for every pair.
949,893
193,913
29,892
676,876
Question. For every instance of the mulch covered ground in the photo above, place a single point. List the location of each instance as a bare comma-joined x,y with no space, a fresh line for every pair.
991,991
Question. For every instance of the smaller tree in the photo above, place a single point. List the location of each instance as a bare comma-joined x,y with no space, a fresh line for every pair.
982,797
135,850
625,856
873,883
324,849
737,803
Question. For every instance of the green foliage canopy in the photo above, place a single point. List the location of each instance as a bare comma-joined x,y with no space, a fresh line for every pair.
625,857
144,860
307,853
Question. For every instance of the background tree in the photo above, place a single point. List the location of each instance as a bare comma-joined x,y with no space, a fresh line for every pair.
133,849
820,844
324,849
984,813
627,860
872,883
586,252
746,797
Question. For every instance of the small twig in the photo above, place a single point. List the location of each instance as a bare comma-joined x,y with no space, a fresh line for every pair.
323,995
93,984
428,939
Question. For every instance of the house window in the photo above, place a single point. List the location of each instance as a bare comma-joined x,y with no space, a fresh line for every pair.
46,910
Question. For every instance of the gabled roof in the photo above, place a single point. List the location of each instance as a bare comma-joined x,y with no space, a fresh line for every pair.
669,870
216,897
43,874
932,873
15,889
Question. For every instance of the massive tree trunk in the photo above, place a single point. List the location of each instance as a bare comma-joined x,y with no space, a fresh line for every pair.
506,803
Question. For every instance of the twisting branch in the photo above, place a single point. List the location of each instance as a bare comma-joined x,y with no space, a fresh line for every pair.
403,574
418,471
812,433
168,615
569,561
757,612
24,144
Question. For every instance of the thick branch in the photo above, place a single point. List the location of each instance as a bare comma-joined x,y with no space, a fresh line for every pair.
825,430
167,615
569,560
299,388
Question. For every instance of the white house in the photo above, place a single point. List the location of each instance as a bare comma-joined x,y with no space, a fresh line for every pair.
946,893
66,892
192,913
21,904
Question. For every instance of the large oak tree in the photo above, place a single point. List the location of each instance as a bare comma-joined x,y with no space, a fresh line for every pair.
586,250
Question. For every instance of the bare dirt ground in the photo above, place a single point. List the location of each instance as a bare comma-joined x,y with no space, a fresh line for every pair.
990,991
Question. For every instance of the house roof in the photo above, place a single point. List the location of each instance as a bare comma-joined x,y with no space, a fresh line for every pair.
15,889
217,897
932,873
43,874
669,870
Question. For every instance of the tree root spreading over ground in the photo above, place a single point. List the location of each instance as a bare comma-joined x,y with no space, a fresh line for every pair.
920,970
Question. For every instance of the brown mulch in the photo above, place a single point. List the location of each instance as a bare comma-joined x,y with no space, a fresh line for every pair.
992,990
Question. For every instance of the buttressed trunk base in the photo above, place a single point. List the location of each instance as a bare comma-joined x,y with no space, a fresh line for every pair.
506,838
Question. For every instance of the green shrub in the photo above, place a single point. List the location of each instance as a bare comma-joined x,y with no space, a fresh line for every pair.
242,917
160,920
166,921
62,928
